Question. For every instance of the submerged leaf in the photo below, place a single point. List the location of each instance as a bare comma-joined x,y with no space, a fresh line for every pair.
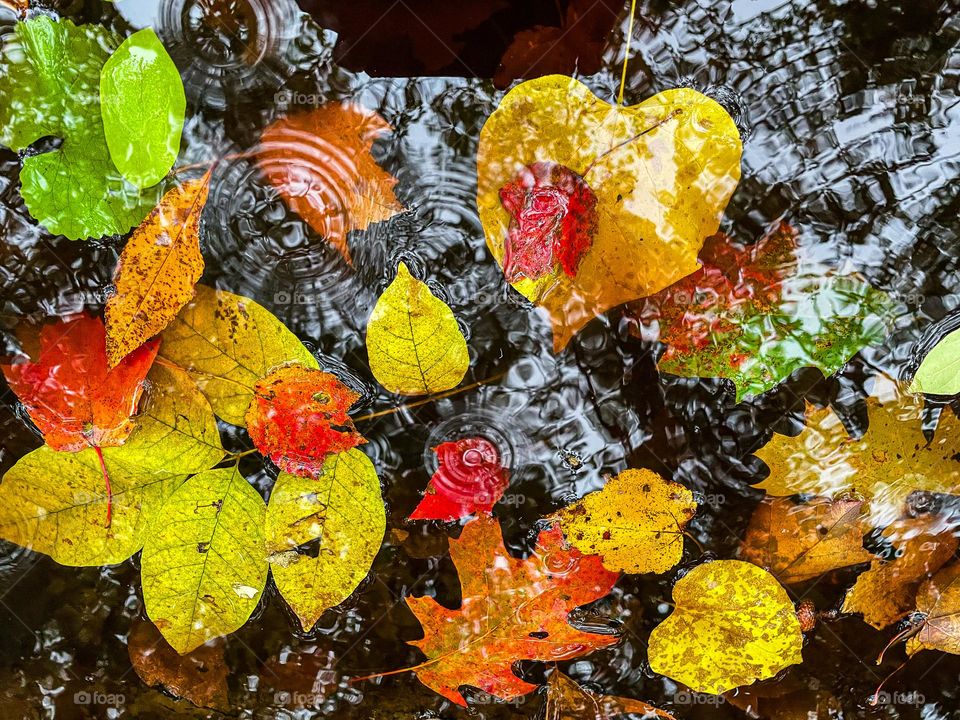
939,601
939,373
468,480
566,700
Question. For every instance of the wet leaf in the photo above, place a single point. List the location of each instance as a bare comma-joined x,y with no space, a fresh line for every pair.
321,165
635,522
72,395
335,524
228,342
661,172
566,700
732,623
142,104
939,600
939,372
204,562
55,502
468,480
158,268
510,610
887,591
800,541
49,87
414,343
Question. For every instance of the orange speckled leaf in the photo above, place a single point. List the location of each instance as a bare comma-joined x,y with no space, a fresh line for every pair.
160,264
298,416
75,399
510,610
320,163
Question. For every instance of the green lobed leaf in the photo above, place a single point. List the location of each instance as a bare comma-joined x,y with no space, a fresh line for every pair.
939,373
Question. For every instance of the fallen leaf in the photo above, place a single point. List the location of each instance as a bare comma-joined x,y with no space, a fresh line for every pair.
414,343
158,268
298,417
204,562
227,343
320,163
635,523
939,600
566,700
732,623
661,171
939,372
468,480
333,524
887,591
510,610
800,541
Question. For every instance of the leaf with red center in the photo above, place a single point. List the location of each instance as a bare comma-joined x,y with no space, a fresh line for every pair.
553,216
469,480
298,416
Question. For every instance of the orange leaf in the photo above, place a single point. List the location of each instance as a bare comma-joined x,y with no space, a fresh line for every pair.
320,163
566,700
510,610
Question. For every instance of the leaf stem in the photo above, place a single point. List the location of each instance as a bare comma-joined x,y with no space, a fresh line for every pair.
432,398
106,480
626,52
230,457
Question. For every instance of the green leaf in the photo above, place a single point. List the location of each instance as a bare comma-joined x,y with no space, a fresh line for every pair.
56,502
204,565
343,511
939,373
49,87
227,342
142,104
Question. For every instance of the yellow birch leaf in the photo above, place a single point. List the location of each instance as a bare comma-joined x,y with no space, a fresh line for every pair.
204,562
414,344
342,511
634,523
939,600
732,624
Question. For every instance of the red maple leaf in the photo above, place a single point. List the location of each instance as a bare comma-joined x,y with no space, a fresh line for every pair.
469,480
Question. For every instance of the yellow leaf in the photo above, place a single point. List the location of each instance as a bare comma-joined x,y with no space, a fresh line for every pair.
635,523
733,623
227,342
662,172
939,600
158,268
342,510
414,344
204,562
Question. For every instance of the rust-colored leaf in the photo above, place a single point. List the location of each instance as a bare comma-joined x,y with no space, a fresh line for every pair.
566,700
469,480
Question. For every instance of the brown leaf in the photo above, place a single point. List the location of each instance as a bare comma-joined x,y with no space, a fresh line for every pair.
566,700
939,599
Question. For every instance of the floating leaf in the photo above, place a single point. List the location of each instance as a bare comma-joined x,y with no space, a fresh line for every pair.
228,342
321,165
413,341
468,480
634,523
158,268
661,173
299,416
732,623
142,104
939,601
939,373
49,87
510,610
566,700
333,524
800,541
204,562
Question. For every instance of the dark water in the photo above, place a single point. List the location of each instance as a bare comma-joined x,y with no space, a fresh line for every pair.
852,115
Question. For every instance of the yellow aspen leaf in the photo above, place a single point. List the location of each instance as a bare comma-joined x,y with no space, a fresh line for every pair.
587,205
800,541
732,624
342,512
158,268
566,700
227,343
634,523
204,563
414,344
939,600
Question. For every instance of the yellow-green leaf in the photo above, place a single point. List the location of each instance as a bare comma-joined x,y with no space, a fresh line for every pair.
413,341
733,623
343,511
204,563
635,523
227,342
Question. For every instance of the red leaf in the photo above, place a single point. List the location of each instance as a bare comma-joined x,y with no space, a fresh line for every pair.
469,480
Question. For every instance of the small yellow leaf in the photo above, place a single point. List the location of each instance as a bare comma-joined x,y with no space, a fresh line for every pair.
635,523
733,623
413,341
343,511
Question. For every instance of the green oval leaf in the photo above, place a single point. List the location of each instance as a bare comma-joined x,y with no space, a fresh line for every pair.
939,373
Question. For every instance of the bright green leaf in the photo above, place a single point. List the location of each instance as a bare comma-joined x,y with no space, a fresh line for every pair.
939,373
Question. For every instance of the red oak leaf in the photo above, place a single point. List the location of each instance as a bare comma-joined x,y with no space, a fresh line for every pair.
298,416
469,480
